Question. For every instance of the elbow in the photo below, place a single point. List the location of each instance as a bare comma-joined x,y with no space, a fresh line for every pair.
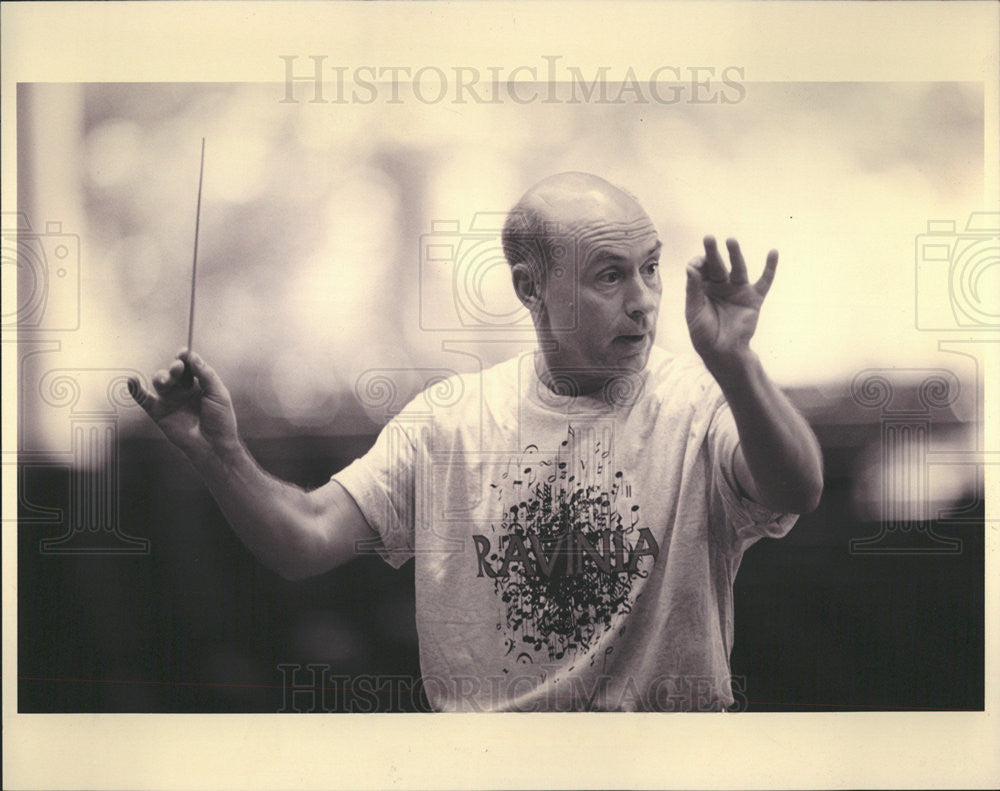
801,497
800,502
811,498
303,562
809,493
307,555
297,560
304,550
814,487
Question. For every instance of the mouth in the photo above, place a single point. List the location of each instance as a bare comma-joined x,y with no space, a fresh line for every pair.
630,340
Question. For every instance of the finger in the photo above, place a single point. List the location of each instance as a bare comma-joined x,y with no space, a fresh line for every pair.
763,284
209,380
181,375
141,395
738,275
696,268
176,371
695,293
714,268
161,382
186,378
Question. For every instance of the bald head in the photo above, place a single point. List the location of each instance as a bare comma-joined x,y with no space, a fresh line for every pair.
584,259
567,197
554,209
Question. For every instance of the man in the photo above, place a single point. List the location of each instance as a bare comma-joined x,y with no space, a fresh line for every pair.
577,515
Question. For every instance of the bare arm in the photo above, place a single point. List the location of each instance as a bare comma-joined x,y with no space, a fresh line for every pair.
778,462
295,532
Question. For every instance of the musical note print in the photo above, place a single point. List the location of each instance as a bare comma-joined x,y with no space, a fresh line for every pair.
564,559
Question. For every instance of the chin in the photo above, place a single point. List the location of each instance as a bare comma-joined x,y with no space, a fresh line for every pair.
633,362
637,362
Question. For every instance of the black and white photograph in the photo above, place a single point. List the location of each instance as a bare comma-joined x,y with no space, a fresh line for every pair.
443,361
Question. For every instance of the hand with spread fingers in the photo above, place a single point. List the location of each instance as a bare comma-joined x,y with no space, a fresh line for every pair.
722,305
198,417
778,461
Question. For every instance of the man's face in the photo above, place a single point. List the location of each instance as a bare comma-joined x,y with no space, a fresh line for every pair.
601,303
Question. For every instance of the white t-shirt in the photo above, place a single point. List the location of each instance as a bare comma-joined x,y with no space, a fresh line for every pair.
571,553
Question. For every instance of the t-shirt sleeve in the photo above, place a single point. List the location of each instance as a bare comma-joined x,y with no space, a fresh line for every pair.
382,483
746,521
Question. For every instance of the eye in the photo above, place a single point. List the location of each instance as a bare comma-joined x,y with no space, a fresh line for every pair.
609,276
652,267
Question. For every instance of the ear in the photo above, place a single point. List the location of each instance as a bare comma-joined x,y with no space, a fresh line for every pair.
527,286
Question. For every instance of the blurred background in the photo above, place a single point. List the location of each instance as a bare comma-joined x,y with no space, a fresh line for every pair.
342,241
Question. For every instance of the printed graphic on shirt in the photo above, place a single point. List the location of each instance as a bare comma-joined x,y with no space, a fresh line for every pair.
565,554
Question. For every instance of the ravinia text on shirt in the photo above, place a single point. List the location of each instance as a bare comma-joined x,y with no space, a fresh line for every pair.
571,553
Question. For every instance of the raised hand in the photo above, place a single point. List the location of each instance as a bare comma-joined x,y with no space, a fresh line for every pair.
722,305
197,417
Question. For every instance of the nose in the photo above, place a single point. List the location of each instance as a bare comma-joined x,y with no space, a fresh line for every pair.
641,300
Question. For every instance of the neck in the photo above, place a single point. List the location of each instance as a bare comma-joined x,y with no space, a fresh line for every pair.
568,380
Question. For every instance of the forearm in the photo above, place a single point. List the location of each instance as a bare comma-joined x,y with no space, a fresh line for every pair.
780,449
292,531
284,526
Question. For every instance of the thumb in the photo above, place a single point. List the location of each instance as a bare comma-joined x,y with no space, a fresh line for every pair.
695,292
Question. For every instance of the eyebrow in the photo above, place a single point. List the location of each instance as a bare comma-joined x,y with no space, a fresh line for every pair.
604,254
